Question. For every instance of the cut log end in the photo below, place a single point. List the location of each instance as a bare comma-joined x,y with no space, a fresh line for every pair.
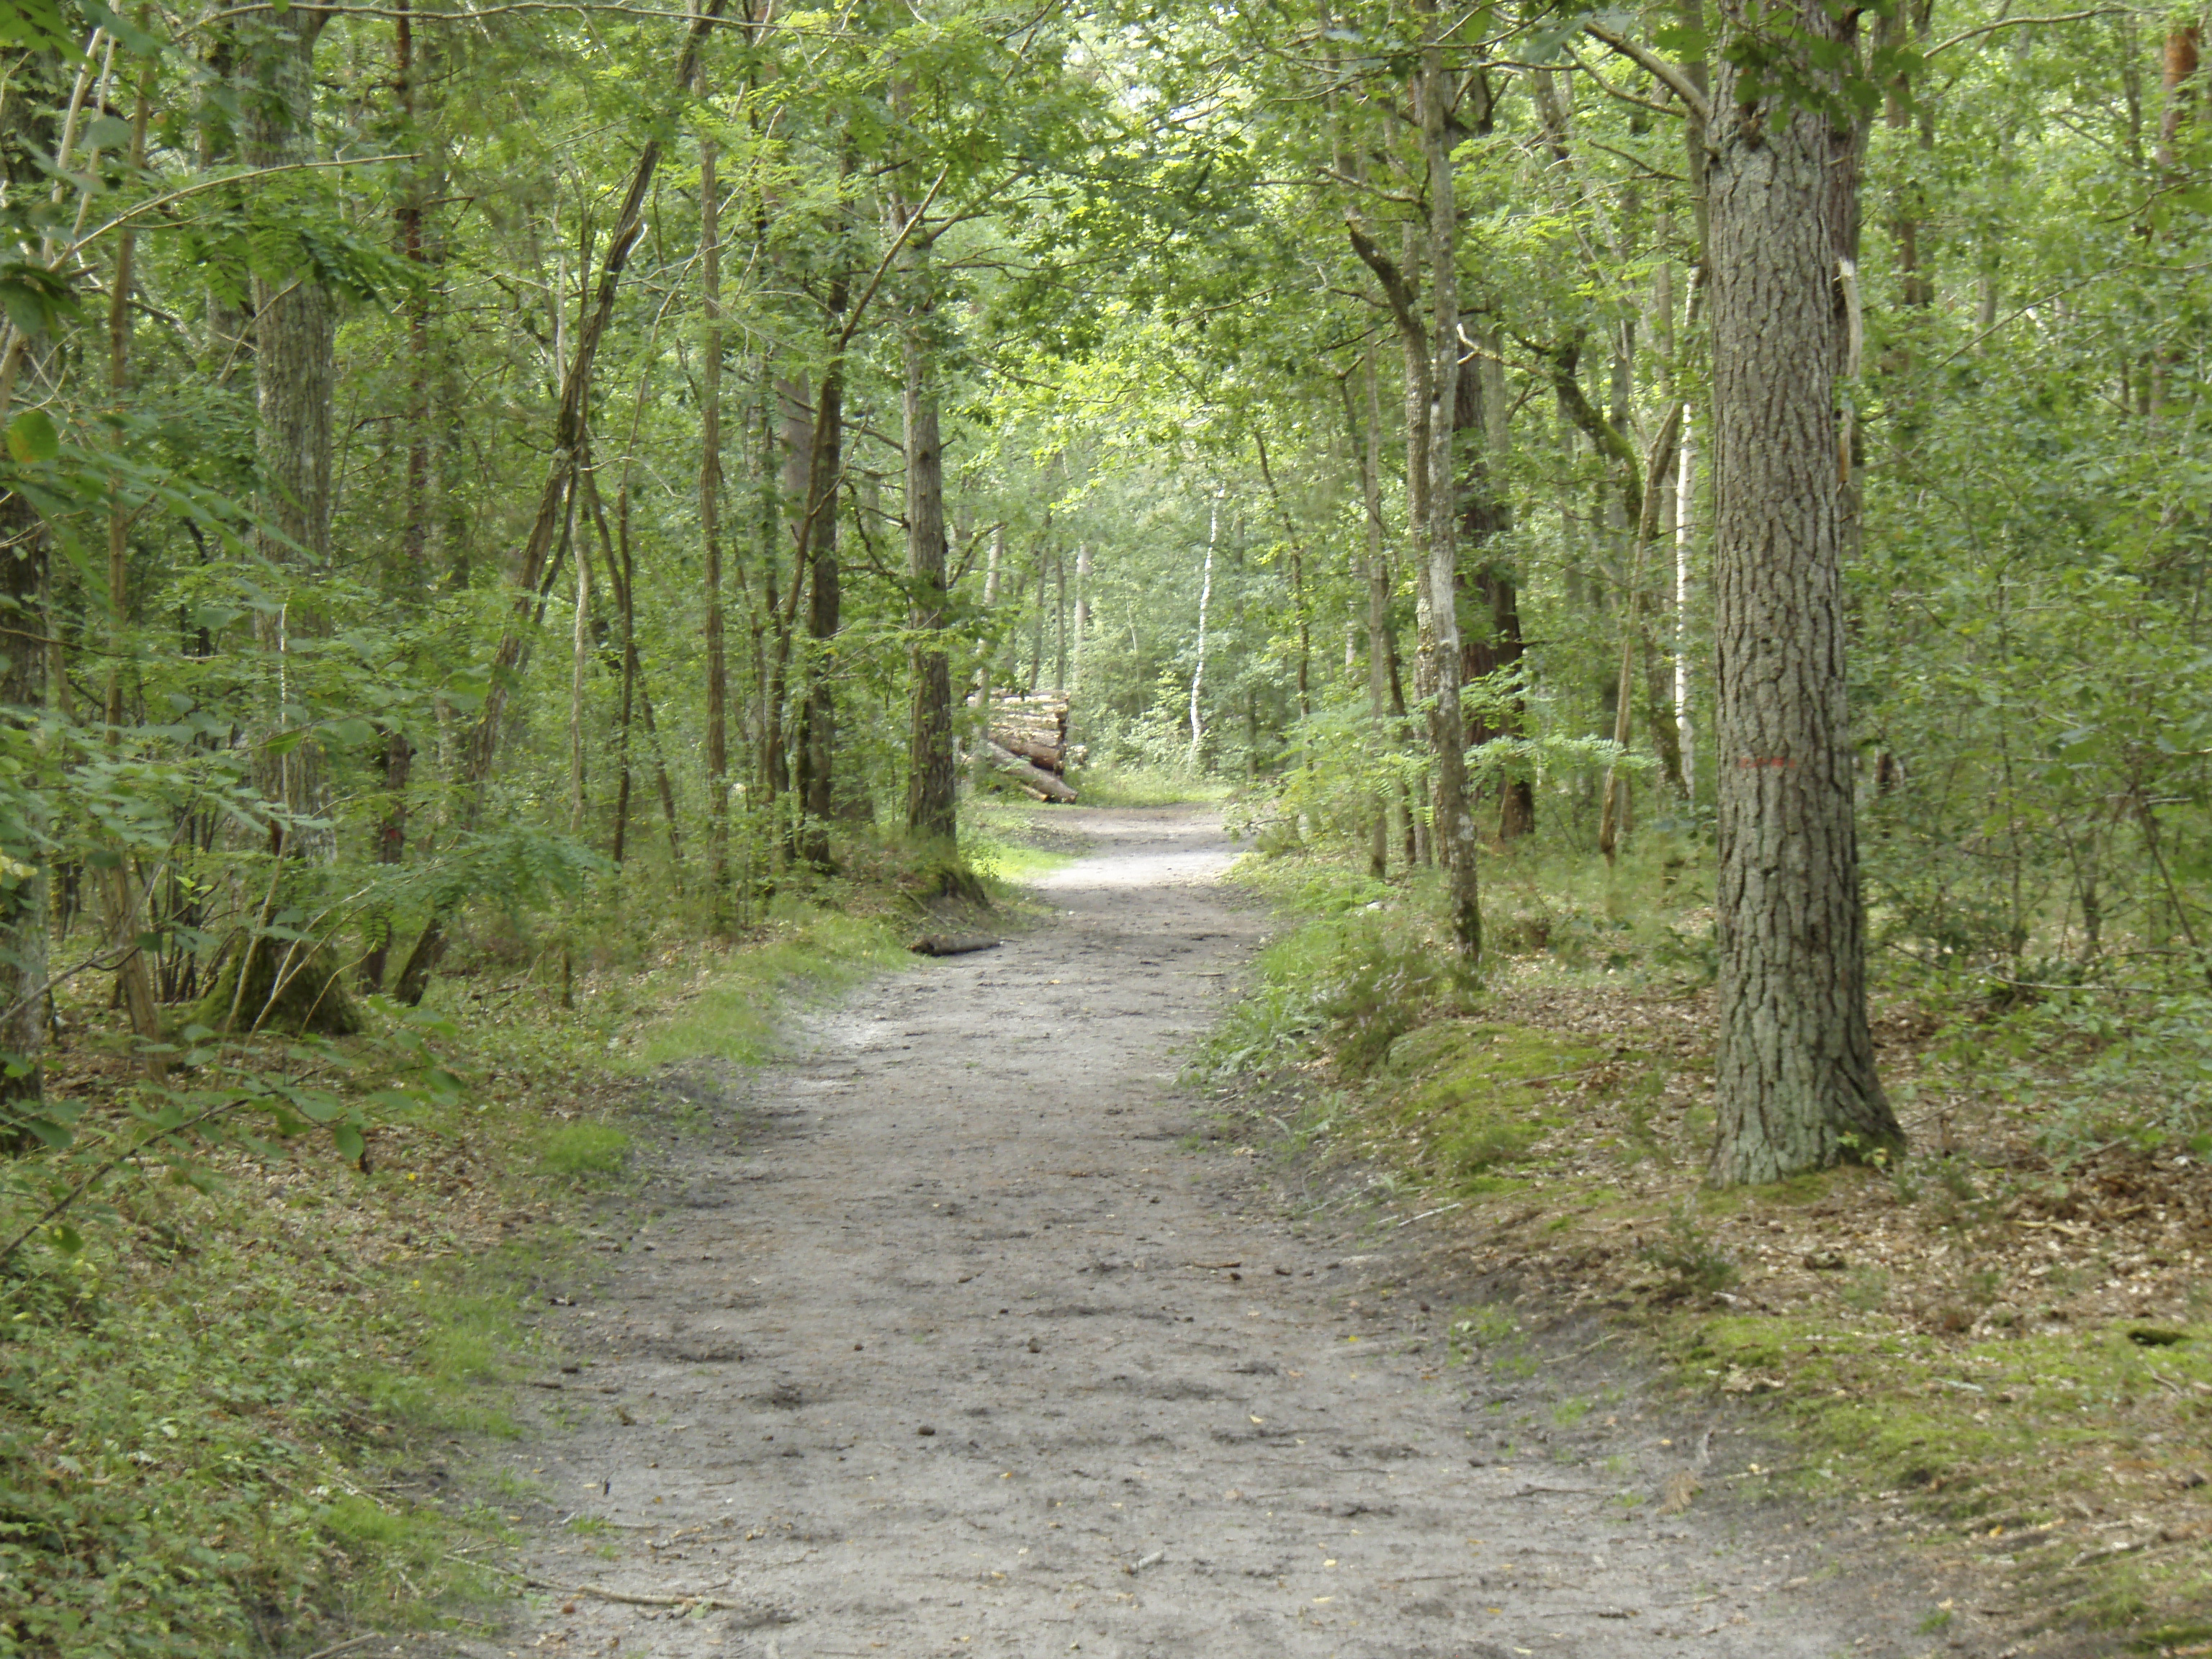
951,944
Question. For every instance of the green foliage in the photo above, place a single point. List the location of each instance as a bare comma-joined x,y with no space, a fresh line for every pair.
1688,1255
1354,979
177,1470
806,953
1383,982
577,1149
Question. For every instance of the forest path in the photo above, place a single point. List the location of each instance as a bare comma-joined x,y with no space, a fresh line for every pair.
961,1350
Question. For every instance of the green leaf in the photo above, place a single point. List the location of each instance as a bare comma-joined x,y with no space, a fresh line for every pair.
34,298
33,23
32,435
133,39
108,132
347,1137
323,1108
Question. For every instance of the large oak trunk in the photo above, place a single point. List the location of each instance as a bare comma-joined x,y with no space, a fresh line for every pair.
1797,1087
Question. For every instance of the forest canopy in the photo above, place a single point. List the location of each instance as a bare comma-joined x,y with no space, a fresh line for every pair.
461,457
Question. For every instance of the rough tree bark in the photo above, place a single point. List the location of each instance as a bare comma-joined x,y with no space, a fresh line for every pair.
1797,1088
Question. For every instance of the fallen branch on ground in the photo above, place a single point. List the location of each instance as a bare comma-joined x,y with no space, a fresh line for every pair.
951,944
711,1603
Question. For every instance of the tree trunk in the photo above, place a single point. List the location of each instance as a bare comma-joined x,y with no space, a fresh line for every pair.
614,550
1685,513
24,881
1797,1088
1378,606
122,909
1455,823
390,847
780,785
580,668
930,798
415,512
1198,666
295,375
2177,69
817,544
1082,626
979,698
710,531
294,370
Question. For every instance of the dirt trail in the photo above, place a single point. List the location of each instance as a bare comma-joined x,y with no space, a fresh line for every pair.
960,1349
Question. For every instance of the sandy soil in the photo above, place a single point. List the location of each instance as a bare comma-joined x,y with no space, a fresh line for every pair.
961,1336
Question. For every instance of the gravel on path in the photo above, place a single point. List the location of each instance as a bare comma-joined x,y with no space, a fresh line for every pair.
972,1344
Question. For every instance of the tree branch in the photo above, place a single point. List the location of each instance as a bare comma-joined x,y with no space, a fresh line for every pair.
1396,289
1562,362
1669,75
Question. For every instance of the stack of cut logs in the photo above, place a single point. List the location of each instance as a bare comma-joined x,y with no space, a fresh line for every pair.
1028,742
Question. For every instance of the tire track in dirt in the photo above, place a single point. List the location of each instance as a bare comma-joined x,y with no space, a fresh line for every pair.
961,1350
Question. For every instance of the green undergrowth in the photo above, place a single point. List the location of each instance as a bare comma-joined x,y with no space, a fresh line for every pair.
2009,1446
211,1411
1110,784
1462,1096
729,1007
244,1383
1942,1337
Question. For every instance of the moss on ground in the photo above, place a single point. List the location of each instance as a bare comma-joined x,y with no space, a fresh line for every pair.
1461,1098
